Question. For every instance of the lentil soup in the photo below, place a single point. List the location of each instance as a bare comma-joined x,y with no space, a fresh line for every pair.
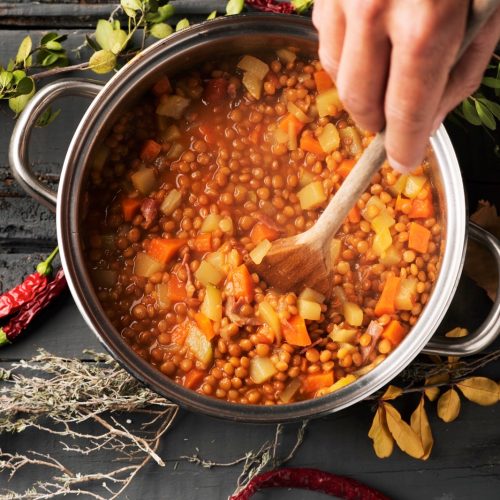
192,185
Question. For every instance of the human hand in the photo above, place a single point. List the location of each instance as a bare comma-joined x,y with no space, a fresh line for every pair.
393,64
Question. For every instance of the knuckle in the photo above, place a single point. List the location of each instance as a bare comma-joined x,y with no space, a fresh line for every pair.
471,84
407,117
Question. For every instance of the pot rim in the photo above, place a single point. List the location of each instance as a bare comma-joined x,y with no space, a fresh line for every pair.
68,216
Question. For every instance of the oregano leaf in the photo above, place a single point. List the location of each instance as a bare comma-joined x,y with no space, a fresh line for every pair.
103,33
25,86
17,104
130,7
494,107
234,7
212,15
182,25
161,30
487,118
448,407
302,6
102,61
47,117
53,45
489,81
24,50
6,78
470,113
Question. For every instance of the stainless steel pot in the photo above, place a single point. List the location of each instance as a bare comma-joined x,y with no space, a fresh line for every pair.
234,35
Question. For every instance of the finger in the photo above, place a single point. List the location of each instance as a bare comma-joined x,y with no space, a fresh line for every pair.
328,17
421,60
466,76
364,64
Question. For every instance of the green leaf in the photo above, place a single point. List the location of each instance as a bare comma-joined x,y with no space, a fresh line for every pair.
212,15
470,113
50,59
24,50
25,86
17,104
116,24
18,75
497,91
91,43
117,41
234,7
102,61
302,6
162,14
47,117
489,81
11,65
161,30
53,45
28,61
182,25
103,32
130,7
486,116
494,107
49,37
6,78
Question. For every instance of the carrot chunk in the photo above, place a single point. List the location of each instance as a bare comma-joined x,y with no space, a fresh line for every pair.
387,302
179,334
295,331
130,206
310,144
176,289
403,204
242,283
203,242
261,232
162,86
291,119
316,381
150,150
421,209
323,81
193,378
354,215
205,325
163,249
345,167
394,332
418,237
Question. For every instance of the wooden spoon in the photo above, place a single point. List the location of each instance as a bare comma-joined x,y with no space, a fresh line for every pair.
305,259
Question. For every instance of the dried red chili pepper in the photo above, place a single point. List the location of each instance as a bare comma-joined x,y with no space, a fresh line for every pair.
12,300
19,322
271,6
310,479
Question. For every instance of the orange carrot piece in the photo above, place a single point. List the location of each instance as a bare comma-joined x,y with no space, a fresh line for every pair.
295,331
386,302
163,249
205,325
193,378
130,206
261,232
354,215
323,81
310,144
256,134
316,381
242,283
403,204
345,167
162,86
150,150
176,289
179,334
421,209
418,170
296,123
418,237
394,332
203,242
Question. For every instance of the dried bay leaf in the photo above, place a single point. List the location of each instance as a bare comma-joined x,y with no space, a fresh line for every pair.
420,424
457,333
392,392
383,443
406,438
480,390
448,406
433,392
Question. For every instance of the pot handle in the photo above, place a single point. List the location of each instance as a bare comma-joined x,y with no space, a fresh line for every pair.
19,143
490,328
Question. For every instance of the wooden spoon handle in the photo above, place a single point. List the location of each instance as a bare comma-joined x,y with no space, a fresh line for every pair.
374,155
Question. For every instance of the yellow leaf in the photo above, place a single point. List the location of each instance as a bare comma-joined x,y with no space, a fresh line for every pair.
457,333
405,437
420,424
433,392
392,392
448,406
383,443
480,390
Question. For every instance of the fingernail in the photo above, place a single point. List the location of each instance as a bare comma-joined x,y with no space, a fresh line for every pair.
404,169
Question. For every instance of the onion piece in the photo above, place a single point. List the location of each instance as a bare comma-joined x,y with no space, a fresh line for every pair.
254,66
171,202
375,330
290,390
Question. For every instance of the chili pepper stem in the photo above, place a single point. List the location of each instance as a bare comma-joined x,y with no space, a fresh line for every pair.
45,267
3,338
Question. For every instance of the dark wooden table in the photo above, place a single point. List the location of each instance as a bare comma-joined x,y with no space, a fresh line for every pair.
465,463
